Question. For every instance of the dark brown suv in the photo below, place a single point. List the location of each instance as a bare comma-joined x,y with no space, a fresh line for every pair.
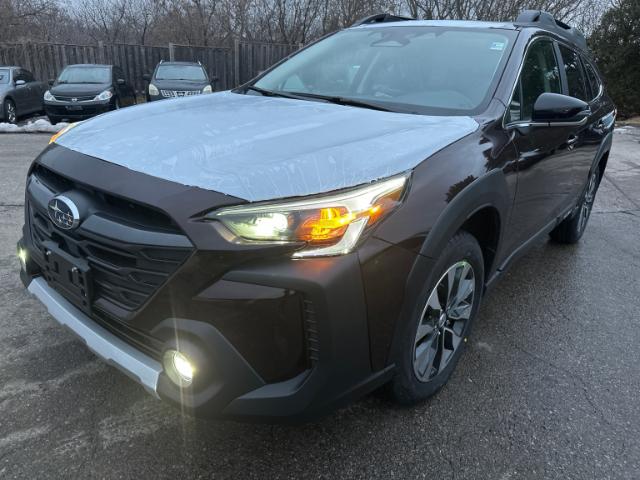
329,227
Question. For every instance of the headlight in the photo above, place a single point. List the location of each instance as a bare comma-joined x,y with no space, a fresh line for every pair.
153,90
48,97
106,95
330,225
57,135
207,89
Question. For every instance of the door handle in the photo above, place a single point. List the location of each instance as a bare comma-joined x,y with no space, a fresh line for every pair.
571,141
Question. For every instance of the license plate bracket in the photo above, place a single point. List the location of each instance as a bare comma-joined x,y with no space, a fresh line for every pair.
69,275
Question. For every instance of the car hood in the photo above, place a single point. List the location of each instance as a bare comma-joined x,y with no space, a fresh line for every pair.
78,89
262,148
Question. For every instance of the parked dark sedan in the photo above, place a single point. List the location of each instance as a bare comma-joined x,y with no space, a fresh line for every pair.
328,228
177,79
84,91
20,93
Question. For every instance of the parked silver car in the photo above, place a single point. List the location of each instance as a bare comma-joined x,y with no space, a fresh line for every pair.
20,93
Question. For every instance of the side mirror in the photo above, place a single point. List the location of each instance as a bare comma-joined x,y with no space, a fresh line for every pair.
20,83
120,81
555,108
146,77
52,81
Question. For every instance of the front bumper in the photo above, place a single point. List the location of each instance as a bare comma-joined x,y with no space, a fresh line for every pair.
271,337
76,110
230,387
141,368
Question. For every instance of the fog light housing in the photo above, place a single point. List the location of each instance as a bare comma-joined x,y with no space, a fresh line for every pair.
178,368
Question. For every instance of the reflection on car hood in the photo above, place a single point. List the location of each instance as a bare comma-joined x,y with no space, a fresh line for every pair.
262,148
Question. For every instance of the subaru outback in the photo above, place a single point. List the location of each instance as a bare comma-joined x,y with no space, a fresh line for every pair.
326,229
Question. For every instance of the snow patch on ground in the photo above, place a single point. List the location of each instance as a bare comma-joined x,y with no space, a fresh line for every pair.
39,126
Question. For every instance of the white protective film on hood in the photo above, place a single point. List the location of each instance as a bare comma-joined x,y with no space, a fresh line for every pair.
262,148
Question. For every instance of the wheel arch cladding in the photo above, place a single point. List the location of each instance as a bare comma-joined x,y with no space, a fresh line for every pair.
480,209
485,198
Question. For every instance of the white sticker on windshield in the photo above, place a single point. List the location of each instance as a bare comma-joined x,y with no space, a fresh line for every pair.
497,46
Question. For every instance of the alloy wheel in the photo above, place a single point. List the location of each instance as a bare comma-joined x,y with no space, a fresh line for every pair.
587,203
11,112
443,321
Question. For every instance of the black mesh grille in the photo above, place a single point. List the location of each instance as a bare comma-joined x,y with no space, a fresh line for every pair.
311,331
124,275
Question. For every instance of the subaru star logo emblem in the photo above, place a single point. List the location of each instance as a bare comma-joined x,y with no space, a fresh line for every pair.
63,213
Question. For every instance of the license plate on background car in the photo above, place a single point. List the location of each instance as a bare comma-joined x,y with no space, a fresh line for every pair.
69,275
74,107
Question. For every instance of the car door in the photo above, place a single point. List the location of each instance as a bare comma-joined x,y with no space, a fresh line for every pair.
588,136
34,100
21,93
124,90
600,123
545,165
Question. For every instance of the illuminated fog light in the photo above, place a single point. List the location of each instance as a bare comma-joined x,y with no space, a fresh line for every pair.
178,367
22,255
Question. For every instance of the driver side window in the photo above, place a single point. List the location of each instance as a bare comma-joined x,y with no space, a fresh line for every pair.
540,74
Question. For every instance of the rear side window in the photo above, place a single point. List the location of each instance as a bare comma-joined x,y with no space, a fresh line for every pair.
540,74
592,79
27,76
575,76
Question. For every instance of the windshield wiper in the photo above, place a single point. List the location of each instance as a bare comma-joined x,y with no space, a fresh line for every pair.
326,98
352,102
274,93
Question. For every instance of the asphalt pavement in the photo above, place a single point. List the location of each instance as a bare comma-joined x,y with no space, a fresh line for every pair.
548,388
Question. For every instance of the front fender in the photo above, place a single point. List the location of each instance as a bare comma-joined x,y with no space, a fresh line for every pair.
490,190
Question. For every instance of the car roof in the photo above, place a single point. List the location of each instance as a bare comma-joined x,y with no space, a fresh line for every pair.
441,23
180,63
89,65
536,20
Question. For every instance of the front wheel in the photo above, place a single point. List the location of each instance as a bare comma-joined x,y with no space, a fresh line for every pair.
10,112
434,337
570,230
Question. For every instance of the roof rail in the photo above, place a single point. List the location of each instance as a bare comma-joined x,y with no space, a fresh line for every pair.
543,19
380,18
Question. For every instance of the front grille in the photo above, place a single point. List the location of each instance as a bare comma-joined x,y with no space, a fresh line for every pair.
123,275
84,98
179,93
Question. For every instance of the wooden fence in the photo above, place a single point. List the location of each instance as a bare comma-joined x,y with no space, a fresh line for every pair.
229,66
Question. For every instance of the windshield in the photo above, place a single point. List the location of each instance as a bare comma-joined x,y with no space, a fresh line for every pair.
85,75
4,75
433,70
194,73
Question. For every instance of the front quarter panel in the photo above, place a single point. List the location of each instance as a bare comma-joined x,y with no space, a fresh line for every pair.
446,189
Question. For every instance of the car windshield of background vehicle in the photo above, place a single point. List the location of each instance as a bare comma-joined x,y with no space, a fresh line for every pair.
191,73
417,69
4,75
85,75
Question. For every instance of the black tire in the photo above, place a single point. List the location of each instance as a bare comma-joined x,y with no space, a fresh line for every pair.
406,387
571,229
10,112
53,120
